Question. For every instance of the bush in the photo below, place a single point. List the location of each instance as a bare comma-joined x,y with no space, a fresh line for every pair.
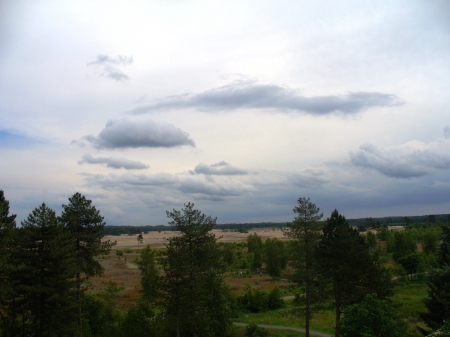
119,253
252,330
256,300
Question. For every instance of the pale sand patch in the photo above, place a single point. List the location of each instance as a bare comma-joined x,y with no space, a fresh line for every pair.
157,240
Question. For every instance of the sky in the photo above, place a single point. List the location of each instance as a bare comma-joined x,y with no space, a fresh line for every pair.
241,107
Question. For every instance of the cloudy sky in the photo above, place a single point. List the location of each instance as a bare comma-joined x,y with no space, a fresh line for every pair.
241,107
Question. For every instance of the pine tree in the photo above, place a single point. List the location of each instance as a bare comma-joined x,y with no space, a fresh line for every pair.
305,230
345,260
85,224
195,291
7,239
45,283
150,280
438,280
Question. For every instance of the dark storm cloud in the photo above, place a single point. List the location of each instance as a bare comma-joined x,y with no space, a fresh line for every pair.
267,96
400,164
126,133
221,168
114,162
109,71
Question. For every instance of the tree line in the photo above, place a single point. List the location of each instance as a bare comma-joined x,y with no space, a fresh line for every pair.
45,264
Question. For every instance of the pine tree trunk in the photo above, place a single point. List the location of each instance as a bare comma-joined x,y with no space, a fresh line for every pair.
4,323
337,305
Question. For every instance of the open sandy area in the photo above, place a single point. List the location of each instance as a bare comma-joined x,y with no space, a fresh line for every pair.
157,240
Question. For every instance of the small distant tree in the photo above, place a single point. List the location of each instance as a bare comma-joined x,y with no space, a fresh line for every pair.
403,245
255,246
140,240
410,263
275,256
371,240
430,242
305,231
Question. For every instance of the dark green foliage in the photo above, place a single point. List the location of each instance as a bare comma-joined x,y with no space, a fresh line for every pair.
438,301
100,318
7,239
44,283
444,248
304,230
140,321
257,300
371,240
85,225
410,262
253,330
150,280
372,317
228,252
403,245
345,261
383,233
195,299
430,242
255,246
275,256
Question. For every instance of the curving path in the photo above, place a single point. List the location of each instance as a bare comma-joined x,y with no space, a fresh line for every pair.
314,333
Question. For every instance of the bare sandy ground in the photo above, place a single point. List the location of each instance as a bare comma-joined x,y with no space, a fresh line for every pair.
157,240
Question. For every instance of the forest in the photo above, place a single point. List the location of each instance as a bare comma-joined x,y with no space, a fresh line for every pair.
365,279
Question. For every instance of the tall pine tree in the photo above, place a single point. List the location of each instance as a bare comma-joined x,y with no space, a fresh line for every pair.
195,292
305,230
45,283
85,224
344,259
7,234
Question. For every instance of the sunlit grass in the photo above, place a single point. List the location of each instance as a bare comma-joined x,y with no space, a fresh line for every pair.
410,296
322,321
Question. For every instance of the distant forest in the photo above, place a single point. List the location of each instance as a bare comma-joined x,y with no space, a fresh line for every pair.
361,223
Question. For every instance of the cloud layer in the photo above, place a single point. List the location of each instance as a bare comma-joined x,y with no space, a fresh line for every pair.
411,160
114,162
268,96
109,71
126,133
221,168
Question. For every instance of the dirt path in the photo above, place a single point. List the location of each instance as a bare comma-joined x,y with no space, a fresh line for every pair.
314,333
